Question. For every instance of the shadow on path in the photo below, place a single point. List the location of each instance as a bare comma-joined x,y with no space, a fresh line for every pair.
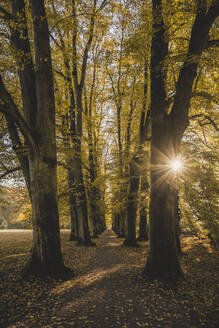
108,292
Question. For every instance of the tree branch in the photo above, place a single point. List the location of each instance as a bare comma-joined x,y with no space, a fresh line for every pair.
188,72
159,51
205,117
103,4
212,43
9,109
54,40
61,74
22,157
9,171
203,94
87,47
74,45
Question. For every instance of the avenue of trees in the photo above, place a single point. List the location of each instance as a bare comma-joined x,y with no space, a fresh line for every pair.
97,99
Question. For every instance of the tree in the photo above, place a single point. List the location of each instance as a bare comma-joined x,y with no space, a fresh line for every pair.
138,174
94,117
36,132
74,71
168,126
125,78
138,47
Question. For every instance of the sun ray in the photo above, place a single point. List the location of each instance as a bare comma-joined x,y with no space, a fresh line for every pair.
176,165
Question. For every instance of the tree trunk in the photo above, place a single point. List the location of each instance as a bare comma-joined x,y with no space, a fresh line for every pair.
132,205
46,258
83,228
115,223
122,224
103,222
69,137
177,221
123,194
143,235
38,129
140,172
94,215
162,262
168,127
81,197
72,204
94,192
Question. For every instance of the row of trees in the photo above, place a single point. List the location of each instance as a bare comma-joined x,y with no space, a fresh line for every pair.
104,90
174,62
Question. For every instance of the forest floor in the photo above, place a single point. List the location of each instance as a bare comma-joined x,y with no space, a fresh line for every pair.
107,289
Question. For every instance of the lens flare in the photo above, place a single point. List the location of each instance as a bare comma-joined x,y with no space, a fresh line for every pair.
176,165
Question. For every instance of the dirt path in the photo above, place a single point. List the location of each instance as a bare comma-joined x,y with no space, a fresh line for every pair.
107,290
107,295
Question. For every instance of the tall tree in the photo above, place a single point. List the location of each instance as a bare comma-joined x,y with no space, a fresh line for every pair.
137,166
124,74
79,75
38,134
168,126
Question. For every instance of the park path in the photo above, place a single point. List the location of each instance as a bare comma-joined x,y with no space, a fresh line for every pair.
107,294
107,290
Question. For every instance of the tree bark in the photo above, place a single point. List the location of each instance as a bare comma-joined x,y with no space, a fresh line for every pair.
38,129
162,262
83,228
115,223
177,223
122,217
167,132
69,137
143,234
46,258
72,204
132,204
94,192
137,171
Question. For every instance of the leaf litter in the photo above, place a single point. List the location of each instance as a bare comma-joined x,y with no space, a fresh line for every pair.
107,289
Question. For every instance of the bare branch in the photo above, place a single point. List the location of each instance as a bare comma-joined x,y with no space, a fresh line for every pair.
103,4
61,74
60,21
87,47
55,41
199,37
212,43
114,90
9,171
74,45
203,94
9,109
205,117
